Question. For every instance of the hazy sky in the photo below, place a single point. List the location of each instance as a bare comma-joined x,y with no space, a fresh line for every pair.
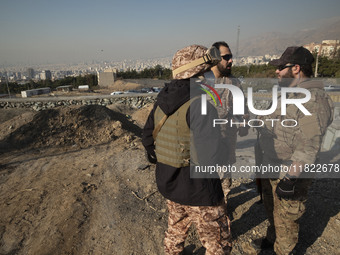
57,31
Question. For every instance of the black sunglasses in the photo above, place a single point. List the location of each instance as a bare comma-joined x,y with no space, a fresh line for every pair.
280,68
227,57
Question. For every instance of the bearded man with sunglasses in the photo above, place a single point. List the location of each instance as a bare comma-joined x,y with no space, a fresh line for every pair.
222,73
296,147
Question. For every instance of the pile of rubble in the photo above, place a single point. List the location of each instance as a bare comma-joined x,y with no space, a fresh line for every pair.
71,126
38,105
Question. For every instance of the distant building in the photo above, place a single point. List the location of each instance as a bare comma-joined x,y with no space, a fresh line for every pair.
46,75
327,48
30,73
2,79
254,60
107,78
17,76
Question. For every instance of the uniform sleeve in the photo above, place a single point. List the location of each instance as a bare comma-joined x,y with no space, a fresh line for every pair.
147,138
308,140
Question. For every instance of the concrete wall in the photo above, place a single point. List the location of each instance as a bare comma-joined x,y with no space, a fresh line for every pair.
106,79
43,104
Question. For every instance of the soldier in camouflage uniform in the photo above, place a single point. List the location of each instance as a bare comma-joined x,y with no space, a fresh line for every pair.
176,118
285,198
222,73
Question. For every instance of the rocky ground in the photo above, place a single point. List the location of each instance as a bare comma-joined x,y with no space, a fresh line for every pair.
74,180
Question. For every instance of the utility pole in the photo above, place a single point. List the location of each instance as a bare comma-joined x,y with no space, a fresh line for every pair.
316,65
317,60
237,42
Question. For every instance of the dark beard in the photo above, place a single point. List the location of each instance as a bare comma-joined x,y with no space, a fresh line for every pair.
287,79
224,71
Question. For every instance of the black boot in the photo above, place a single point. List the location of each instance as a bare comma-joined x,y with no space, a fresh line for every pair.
262,244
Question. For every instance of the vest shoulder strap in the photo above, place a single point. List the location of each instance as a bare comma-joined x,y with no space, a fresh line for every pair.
160,124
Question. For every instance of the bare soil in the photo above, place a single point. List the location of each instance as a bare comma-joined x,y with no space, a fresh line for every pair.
74,180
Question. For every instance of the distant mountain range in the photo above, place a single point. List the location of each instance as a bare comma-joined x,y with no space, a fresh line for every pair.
276,42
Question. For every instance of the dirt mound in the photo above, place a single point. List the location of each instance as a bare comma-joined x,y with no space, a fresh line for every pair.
76,126
15,122
125,86
8,114
142,115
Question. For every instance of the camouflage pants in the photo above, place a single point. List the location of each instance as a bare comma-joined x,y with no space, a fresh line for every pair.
229,138
212,224
283,215
226,186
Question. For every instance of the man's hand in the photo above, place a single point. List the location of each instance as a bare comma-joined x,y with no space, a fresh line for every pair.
151,157
286,187
243,131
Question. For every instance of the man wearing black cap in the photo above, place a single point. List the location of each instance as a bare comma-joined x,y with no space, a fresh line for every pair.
292,147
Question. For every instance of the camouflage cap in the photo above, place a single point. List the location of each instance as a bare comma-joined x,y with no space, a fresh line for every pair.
187,55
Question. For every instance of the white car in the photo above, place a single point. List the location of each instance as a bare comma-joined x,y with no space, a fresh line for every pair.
332,88
116,93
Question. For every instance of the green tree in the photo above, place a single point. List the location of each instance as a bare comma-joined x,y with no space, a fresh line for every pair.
329,67
157,72
254,71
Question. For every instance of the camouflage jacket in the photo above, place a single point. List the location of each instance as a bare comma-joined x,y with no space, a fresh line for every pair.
302,142
226,110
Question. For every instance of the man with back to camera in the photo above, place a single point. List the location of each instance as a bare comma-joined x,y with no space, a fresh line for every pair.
285,199
222,73
166,138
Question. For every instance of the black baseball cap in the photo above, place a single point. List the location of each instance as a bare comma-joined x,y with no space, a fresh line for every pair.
294,55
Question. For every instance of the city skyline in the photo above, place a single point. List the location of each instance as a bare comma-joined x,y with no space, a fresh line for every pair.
75,31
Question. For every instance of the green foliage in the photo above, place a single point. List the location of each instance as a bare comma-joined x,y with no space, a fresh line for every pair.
329,67
89,79
157,72
337,55
254,71
13,87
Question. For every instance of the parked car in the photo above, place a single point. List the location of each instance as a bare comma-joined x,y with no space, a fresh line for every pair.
332,88
133,91
146,90
116,93
156,89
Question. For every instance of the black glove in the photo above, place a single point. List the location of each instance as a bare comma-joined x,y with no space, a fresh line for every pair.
243,131
286,187
151,157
